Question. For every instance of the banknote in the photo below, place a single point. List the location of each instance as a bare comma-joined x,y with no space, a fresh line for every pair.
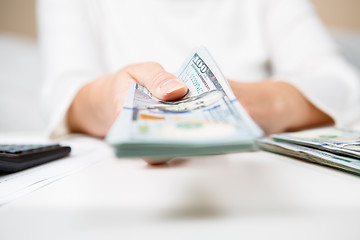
331,139
208,120
315,155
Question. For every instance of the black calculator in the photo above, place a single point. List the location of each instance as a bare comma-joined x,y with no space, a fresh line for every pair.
16,157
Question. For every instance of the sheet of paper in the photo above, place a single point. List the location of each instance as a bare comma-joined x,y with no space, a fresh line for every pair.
85,152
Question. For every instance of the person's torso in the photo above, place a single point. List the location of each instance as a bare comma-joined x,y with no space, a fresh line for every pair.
165,31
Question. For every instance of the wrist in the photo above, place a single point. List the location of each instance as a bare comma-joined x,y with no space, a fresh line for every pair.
84,114
302,114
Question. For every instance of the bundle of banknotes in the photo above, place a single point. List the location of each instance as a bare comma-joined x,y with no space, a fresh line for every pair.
334,147
208,120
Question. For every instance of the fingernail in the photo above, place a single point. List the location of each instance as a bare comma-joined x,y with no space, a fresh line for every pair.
172,85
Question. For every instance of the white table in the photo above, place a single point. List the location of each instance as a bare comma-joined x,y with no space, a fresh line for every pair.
239,196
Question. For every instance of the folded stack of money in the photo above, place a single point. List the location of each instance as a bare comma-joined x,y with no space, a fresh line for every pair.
208,120
334,147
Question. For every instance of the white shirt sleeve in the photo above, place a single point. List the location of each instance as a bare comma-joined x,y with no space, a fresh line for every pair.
302,53
70,57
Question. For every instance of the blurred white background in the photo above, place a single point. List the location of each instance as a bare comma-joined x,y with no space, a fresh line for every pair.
20,69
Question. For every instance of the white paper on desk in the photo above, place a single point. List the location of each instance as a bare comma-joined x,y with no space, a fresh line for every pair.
85,151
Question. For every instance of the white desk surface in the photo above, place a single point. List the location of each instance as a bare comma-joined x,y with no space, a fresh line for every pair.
239,196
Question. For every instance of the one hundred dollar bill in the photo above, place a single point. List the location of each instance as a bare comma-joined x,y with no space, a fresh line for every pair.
310,154
331,139
208,120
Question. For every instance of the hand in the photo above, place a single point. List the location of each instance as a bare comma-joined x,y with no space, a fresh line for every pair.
278,106
98,103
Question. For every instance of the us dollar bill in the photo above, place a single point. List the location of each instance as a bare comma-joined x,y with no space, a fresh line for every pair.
315,155
331,139
208,120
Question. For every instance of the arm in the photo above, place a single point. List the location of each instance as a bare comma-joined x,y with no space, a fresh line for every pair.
318,87
78,95
278,106
70,57
303,54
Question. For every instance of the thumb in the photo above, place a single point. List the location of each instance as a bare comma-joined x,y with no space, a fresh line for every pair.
161,84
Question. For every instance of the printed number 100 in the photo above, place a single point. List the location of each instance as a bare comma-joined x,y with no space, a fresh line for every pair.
200,64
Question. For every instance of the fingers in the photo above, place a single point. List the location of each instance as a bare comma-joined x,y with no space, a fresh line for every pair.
156,161
160,83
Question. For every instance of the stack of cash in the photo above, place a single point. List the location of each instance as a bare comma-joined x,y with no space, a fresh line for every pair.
335,147
208,120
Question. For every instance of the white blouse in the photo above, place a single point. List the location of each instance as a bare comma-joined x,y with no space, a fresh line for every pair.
251,40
